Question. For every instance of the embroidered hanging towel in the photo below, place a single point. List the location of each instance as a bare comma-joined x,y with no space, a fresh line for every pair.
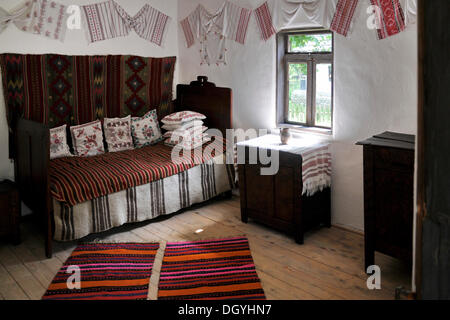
274,15
108,20
265,21
212,30
391,20
343,18
43,17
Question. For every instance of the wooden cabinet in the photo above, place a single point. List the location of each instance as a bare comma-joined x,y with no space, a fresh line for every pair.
388,196
9,211
276,200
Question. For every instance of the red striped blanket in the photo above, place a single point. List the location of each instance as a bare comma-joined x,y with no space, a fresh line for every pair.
78,179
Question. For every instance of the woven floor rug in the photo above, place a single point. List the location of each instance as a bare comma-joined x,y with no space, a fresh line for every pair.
119,271
209,270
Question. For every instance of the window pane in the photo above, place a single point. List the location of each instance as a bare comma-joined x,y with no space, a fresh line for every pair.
324,76
311,43
298,82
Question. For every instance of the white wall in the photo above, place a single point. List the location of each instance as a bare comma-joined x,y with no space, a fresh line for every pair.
375,91
375,84
13,40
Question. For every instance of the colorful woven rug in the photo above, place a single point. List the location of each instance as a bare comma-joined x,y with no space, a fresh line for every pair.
107,272
209,270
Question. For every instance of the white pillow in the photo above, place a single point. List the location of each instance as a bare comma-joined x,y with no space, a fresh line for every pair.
58,143
190,144
87,139
183,126
182,117
118,134
193,131
145,130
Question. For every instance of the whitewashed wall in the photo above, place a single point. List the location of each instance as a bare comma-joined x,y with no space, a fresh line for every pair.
375,84
375,91
14,41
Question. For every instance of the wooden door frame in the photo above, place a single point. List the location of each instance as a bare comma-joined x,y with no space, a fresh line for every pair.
420,198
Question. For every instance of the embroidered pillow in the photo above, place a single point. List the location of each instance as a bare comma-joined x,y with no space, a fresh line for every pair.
182,117
118,134
177,135
145,130
58,143
189,144
87,139
183,126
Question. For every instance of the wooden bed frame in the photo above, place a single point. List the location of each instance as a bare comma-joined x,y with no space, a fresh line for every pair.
32,146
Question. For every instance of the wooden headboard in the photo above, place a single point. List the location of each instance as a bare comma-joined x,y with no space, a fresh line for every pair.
204,97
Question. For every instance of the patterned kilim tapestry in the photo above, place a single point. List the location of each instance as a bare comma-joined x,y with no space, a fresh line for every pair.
209,270
108,272
56,89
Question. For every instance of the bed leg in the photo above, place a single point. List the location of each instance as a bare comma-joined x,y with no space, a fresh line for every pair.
49,236
49,247
228,194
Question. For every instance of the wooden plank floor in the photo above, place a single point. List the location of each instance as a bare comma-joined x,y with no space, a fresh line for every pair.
328,266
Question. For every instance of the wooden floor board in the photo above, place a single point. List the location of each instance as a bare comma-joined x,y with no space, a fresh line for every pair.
328,266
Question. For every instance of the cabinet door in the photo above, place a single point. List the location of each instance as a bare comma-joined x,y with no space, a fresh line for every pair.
284,194
5,221
394,200
259,191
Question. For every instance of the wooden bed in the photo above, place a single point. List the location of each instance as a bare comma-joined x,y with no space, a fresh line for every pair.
31,146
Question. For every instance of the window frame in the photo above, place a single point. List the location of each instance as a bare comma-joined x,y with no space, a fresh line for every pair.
284,58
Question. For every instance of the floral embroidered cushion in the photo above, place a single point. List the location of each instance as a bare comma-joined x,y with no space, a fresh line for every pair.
182,117
87,139
183,126
118,134
58,143
145,130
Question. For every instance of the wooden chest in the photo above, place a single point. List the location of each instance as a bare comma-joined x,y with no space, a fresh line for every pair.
388,195
276,200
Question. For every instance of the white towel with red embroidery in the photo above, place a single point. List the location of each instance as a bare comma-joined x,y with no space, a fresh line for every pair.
316,158
391,20
212,30
43,17
108,20
342,22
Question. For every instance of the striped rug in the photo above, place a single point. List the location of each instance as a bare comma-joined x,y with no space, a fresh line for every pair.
209,270
107,272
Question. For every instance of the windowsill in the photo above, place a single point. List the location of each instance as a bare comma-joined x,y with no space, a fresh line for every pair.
302,129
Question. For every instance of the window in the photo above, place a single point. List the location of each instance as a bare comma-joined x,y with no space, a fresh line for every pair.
305,78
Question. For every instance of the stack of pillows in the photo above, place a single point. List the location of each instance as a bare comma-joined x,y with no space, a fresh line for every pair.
183,128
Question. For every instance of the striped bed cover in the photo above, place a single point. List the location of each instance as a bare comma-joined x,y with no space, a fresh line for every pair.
95,194
76,180
143,202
